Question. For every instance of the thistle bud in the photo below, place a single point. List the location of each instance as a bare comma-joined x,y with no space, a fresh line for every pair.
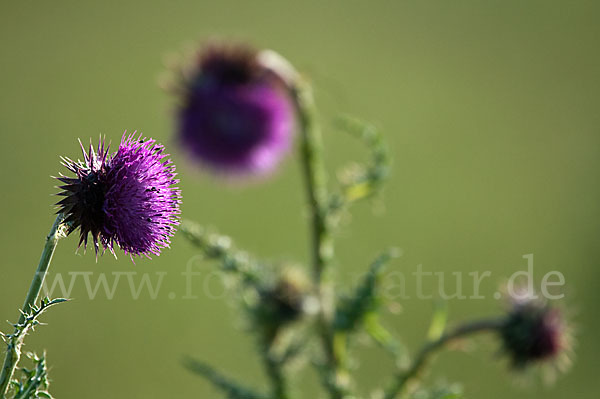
534,332
285,301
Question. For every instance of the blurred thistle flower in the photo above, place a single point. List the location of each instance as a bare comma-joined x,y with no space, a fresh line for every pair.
236,115
285,300
535,332
126,198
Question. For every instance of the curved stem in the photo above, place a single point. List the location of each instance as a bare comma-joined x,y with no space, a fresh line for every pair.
315,179
322,245
13,352
420,361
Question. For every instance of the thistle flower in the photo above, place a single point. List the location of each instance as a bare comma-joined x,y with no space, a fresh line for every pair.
235,115
126,198
534,332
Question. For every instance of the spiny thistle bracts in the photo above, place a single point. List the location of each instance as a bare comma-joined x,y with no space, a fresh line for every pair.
533,332
127,198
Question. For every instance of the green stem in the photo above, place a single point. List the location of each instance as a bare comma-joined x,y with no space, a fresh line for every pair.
322,245
13,352
229,387
275,374
219,248
403,379
273,364
315,179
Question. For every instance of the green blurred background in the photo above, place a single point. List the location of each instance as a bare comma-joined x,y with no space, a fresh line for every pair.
491,112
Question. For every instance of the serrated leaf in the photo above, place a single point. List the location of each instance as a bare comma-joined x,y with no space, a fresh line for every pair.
353,310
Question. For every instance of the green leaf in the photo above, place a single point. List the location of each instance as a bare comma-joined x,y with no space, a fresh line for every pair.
33,383
363,180
352,310
438,322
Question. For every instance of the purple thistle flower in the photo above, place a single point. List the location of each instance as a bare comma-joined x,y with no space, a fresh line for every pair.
126,198
236,115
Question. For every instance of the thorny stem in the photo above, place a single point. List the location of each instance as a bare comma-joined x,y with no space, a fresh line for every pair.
322,245
219,248
403,379
274,369
315,180
227,385
13,352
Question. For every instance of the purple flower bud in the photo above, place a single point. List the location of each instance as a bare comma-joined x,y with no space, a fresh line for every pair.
126,198
236,115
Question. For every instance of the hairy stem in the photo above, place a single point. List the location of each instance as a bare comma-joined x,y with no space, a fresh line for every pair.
219,248
231,388
321,242
276,376
315,180
403,379
13,352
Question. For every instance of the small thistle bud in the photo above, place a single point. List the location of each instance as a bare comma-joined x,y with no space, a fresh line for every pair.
236,115
286,300
126,198
534,332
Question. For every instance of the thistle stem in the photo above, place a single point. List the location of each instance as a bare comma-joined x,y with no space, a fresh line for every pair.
13,352
276,376
322,244
315,180
403,379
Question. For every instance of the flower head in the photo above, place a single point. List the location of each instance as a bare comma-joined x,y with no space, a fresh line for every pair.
236,115
287,298
533,332
284,298
126,198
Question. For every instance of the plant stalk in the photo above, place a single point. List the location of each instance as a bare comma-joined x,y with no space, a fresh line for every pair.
13,352
321,242
403,379
275,373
